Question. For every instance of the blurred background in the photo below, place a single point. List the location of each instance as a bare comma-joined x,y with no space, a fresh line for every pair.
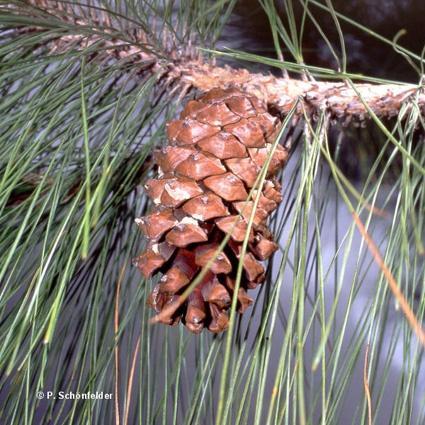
365,54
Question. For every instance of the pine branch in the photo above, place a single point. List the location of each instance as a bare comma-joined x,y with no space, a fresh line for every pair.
340,100
188,69
125,63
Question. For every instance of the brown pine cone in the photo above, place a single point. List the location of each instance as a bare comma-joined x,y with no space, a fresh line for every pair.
215,153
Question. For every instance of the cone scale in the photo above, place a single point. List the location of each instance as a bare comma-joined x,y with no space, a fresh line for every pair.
214,155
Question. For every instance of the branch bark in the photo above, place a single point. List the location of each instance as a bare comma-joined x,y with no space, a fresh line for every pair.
340,100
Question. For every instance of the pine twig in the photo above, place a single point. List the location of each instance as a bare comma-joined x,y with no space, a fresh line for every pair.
189,71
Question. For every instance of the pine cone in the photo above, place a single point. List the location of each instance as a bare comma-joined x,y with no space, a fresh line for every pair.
215,153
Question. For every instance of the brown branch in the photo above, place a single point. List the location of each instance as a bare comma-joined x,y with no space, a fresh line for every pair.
340,101
188,71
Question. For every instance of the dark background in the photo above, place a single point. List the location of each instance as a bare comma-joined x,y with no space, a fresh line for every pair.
366,54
